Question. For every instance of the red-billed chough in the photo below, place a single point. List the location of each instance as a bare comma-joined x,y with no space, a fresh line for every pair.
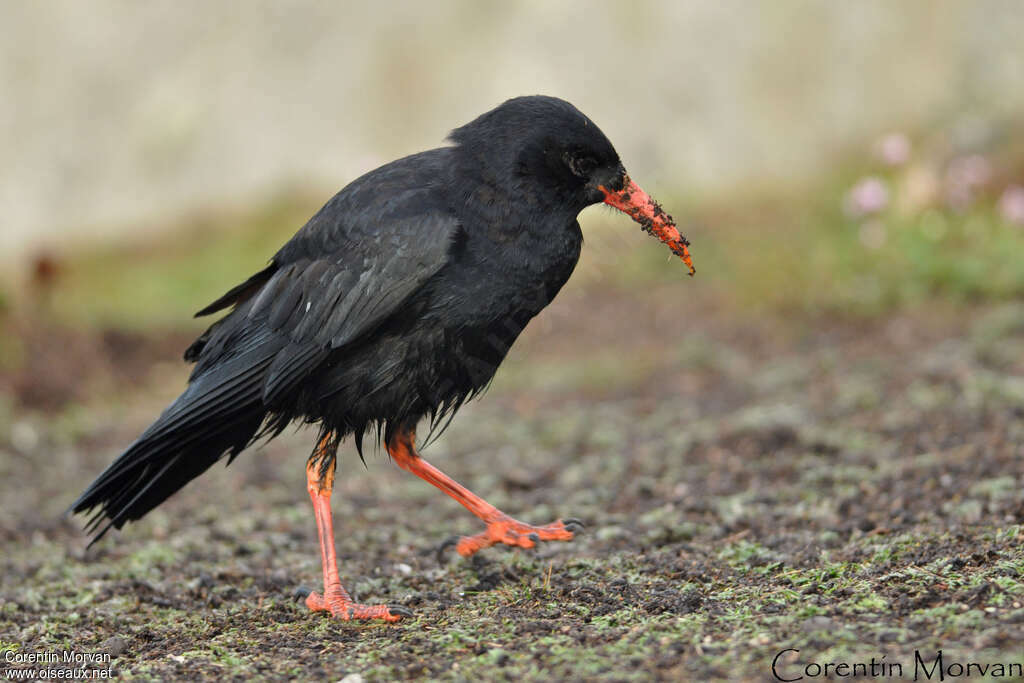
396,302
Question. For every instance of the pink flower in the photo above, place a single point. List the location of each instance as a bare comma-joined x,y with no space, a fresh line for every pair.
1011,204
868,196
894,149
964,176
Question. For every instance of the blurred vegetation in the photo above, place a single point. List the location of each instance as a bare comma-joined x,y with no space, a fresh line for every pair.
875,236
164,280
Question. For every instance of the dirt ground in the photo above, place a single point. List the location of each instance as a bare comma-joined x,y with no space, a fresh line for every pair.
834,491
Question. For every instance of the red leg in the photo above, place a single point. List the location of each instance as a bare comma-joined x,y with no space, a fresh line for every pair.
335,599
500,527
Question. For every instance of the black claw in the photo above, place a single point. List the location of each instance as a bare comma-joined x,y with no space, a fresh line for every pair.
400,611
573,526
301,593
535,538
449,542
572,520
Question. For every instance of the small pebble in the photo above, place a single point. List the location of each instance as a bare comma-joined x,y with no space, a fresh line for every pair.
817,624
115,646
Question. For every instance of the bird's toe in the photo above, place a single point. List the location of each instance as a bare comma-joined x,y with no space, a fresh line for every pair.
573,525
399,611
450,542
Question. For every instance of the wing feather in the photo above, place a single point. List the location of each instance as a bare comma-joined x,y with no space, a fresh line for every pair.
350,268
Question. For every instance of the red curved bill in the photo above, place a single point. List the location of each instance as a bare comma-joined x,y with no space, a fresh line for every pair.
648,213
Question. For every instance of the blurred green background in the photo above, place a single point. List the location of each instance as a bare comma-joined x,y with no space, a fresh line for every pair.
840,157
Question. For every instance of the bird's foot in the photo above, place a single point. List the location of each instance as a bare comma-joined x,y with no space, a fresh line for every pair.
512,532
341,606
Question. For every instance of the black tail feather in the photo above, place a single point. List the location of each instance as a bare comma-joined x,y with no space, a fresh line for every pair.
218,415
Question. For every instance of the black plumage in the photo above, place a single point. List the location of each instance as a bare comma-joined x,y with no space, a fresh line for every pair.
396,302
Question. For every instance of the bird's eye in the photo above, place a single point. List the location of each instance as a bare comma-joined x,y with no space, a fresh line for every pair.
582,166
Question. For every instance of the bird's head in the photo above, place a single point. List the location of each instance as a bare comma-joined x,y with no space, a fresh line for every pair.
549,149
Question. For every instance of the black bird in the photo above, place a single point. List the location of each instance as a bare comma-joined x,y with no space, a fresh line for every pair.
397,301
